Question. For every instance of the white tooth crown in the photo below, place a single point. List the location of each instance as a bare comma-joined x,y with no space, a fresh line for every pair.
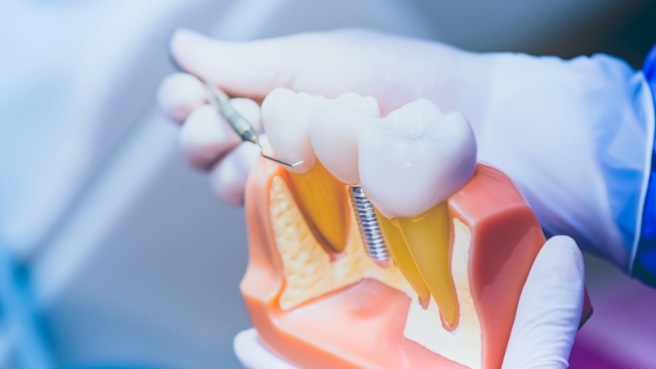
415,158
285,117
334,129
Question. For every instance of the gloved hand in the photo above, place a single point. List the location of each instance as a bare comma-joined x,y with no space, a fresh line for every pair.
575,136
547,317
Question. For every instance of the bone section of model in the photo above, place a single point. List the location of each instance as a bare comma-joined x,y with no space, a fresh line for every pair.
410,163
320,197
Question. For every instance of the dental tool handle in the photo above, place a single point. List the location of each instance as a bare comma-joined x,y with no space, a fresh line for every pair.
238,123
372,237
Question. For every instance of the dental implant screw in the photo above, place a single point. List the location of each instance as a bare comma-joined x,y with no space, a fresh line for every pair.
372,237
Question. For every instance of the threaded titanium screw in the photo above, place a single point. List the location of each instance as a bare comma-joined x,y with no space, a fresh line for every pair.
372,237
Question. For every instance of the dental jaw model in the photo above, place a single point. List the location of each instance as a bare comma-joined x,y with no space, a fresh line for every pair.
461,240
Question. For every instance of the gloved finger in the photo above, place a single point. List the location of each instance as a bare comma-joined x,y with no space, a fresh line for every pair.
228,177
394,70
179,94
246,69
253,355
206,136
549,309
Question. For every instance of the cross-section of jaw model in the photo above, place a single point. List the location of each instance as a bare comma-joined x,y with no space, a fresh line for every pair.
460,238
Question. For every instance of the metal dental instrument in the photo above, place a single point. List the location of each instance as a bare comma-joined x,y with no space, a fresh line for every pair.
372,237
239,123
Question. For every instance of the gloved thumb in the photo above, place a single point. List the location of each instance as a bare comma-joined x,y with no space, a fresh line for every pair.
392,69
245,69
549,309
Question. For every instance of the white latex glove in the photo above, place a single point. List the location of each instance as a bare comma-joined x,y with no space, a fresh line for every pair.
208,141
575,136
546,322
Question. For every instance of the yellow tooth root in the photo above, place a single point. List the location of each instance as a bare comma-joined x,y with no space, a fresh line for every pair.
323,201
427,237
402,257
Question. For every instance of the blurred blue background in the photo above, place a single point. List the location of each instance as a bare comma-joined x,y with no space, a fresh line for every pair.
128,257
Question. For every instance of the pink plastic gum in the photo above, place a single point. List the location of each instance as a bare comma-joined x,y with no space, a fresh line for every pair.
361,326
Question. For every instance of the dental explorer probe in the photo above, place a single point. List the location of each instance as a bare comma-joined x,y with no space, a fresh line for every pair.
372,236
238,123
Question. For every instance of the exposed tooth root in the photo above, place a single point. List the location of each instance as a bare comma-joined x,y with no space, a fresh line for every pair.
372,238
322,200
400,254
428,237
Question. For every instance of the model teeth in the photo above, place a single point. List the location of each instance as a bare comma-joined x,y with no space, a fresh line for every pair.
410,163
334,130
320,197
415,158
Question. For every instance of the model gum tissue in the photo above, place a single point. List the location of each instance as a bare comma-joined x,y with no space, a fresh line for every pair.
461,238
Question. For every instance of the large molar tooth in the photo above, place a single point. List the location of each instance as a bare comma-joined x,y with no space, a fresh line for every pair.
415,158
410,163
319,196
334,130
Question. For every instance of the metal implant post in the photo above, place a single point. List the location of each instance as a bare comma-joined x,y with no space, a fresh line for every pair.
372,237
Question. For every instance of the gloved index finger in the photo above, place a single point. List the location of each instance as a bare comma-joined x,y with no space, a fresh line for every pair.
250,69
179,94
206,136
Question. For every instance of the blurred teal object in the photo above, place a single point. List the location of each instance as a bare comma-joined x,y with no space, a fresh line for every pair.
19,314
